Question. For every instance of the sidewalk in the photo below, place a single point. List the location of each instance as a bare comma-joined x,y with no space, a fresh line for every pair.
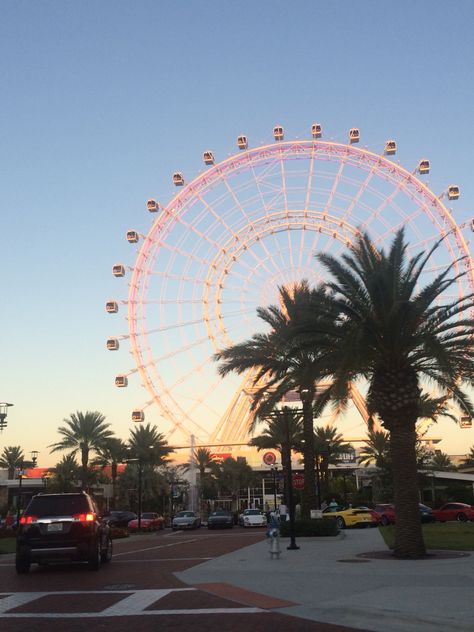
328,582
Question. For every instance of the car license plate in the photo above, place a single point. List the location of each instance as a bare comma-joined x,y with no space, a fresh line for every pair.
55,526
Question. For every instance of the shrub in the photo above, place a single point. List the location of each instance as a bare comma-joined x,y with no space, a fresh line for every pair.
309,528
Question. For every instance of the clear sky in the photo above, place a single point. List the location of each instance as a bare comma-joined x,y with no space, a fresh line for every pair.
103,101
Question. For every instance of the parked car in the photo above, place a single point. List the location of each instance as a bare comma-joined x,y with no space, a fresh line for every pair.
454,511
375,514
186,520
120,519
220,519
350,517
58,527
149,521
252,518
426,513
387,513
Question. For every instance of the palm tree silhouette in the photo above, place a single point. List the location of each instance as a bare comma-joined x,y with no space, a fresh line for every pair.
83,433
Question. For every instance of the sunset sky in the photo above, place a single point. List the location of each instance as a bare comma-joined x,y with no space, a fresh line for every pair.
103,101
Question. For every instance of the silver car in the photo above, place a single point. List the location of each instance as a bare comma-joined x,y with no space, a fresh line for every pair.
186,520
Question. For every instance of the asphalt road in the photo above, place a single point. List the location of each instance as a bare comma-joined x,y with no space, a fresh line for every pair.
138,589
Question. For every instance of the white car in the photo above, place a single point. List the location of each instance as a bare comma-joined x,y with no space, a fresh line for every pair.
252,518
186,520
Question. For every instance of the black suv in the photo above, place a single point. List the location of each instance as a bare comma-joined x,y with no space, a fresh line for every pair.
58,527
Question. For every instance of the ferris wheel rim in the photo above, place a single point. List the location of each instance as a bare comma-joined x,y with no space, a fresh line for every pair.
243,160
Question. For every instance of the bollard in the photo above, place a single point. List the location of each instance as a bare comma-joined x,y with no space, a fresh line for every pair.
274,535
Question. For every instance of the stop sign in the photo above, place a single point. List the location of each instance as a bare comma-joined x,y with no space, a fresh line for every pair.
298,481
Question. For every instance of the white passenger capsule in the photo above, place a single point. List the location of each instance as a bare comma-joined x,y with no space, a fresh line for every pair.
278,132
390,148
152,206
118,270
354,135
423,166
453,192
208,158
121,381
132,236
112,344
242,142
111,307
316,130
178,179
138,415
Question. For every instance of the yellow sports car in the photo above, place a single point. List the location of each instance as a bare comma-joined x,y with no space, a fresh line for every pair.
350,517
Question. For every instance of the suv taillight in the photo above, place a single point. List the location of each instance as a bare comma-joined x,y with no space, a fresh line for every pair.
28,519
84,517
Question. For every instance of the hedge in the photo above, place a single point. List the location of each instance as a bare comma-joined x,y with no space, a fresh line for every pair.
304,528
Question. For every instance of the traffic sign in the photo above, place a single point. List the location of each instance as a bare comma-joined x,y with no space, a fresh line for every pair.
298,480
269,458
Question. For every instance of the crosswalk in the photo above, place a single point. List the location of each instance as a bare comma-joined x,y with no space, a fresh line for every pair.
54,605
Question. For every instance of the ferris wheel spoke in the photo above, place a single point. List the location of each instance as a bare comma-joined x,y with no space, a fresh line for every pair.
327,207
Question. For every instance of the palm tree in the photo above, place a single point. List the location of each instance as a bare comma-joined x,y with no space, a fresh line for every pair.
149,449
148,445
469,460
441,462
112,452
330,446
205,462
64,475
207,465
392,333
376,449
280,366
83,433
283,432
233,475
13,458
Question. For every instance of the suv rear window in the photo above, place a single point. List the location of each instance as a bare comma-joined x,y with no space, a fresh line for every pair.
57,505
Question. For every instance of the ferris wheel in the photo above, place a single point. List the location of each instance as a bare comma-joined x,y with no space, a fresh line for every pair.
246,225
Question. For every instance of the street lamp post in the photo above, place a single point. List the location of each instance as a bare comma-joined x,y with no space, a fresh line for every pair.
274,472
34,457
139,495
18,505
139,461
3,414
318,480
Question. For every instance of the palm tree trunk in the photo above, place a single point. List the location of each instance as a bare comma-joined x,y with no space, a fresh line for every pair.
85,462
409,542
309,492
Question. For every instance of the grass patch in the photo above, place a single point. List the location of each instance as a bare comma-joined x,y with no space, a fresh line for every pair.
448,536
7,545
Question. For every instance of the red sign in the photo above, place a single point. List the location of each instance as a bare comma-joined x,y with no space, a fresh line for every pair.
269,458
298,481
219,457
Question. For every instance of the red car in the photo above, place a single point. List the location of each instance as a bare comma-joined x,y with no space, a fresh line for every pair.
149,522
386,512
454,511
